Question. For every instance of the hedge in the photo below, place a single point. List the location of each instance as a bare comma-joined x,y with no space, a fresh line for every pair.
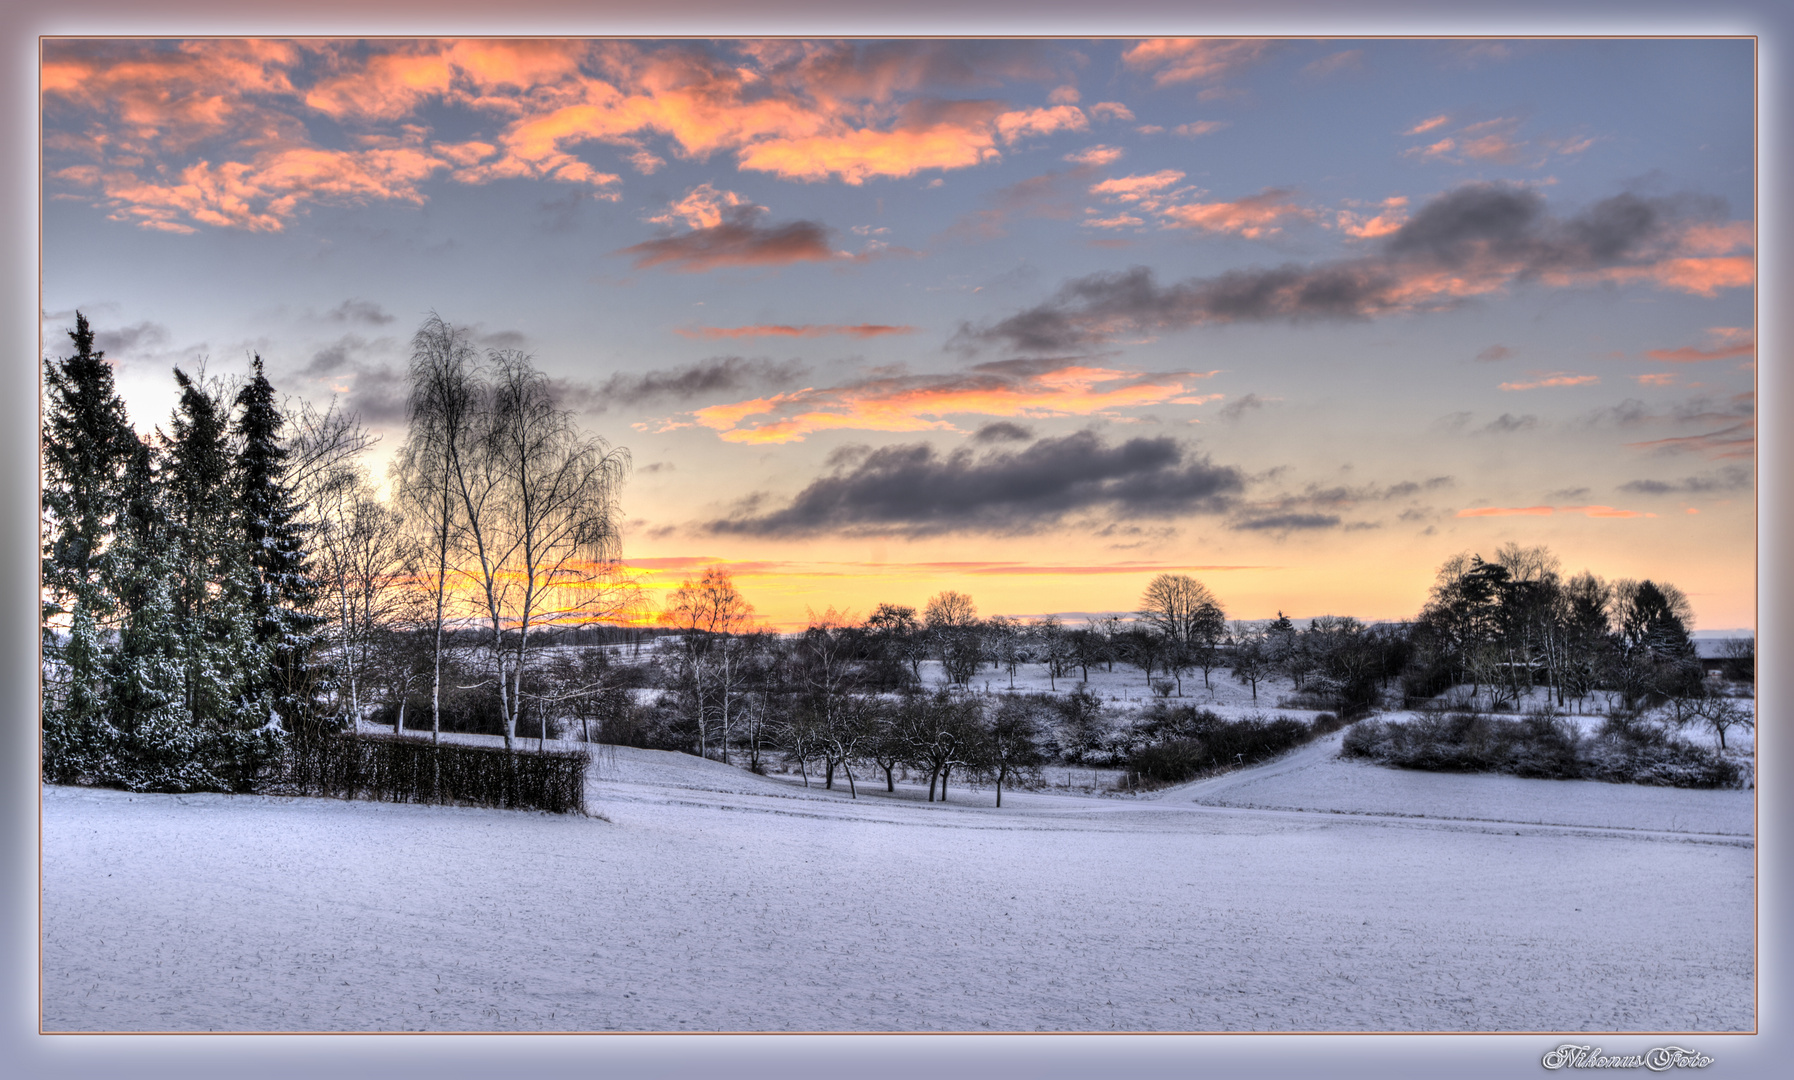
396,768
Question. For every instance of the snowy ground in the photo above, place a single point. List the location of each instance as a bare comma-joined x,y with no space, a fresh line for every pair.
1297,895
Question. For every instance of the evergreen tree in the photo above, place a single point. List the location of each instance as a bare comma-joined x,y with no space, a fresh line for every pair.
87,444
219,651
280,586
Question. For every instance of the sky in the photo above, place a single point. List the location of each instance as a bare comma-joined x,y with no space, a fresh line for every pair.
1034,320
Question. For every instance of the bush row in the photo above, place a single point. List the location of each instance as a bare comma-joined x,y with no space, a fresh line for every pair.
1190,742
401,769
1546,747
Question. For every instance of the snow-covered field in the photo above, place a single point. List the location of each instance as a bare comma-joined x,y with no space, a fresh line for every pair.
1297,895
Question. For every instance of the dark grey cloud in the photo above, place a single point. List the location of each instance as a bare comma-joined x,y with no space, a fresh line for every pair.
501,339
1495,352
1625,414
1238,407
131,342
1710,410
379,395
1567,494
376,389
911,489
340,357
359,311
1508,422
1002,431
1289,522
1317,507
1732,478
738,240
1494,232
718,375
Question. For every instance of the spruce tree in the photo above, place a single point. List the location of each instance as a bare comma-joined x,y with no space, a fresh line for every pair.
281,589
219,651
87,444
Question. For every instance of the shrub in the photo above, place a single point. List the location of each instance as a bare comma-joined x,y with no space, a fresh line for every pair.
1190,742
1543,746
402,769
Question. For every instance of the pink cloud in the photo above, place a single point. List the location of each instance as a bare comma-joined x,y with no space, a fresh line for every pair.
861,330
1252,216
1096,156
922,403
1176,60
1560,378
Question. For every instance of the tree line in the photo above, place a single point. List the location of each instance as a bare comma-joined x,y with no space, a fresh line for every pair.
236,580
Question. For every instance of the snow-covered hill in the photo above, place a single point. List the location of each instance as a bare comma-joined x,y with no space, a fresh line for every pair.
1293,896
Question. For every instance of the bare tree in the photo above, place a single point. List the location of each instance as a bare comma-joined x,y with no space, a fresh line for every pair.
712,615
362,561
539,520
952,621
439,410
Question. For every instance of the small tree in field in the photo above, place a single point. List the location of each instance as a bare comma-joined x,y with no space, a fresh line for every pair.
1011,742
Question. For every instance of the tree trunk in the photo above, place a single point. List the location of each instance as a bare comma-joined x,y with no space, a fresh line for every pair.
851,790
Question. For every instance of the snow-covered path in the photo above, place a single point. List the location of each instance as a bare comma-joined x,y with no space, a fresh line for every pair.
717,900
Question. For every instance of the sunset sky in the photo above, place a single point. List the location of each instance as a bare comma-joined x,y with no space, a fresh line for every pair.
1032,320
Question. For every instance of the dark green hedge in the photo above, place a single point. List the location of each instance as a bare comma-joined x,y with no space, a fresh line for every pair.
408,769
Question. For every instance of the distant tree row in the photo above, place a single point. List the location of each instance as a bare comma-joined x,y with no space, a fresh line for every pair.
237,579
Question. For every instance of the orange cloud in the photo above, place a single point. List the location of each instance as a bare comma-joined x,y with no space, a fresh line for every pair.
1546,511
1198,127
1096,156
862,330
702,208
1661,378
168,96
800,110
1492,140
1119,221
1556,379
260,194
1702,277
1252,217
1016,125
1111,110
921,403
1135,188
1428,125
1394,215
856,156
1175,60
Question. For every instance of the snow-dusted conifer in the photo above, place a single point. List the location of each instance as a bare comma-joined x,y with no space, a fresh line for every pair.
280,586
87,444
220,653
